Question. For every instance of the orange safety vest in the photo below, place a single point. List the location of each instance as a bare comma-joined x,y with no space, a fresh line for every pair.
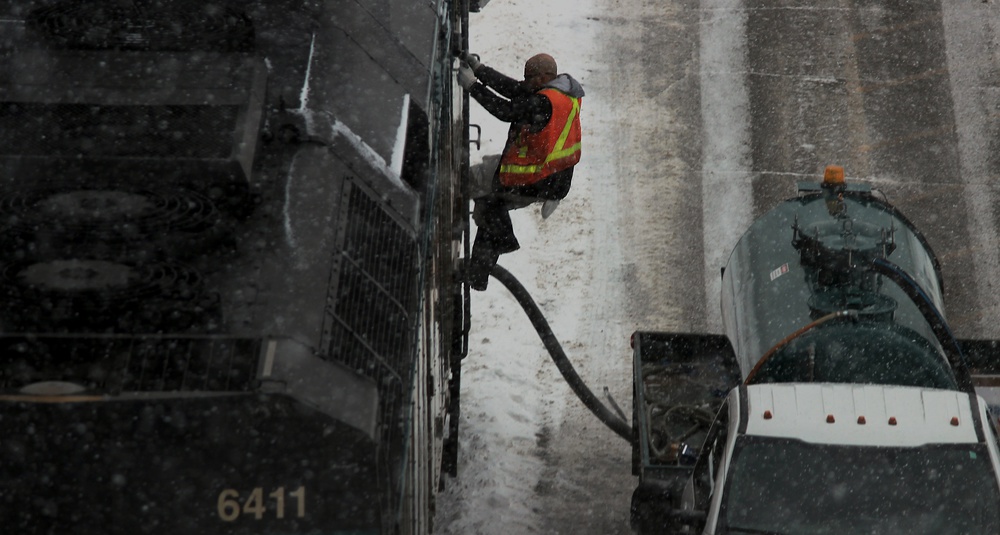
536,155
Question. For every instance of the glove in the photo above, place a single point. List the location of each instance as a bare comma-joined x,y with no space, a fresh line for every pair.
472,61
466,77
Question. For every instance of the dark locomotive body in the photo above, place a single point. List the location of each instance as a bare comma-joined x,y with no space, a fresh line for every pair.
228,241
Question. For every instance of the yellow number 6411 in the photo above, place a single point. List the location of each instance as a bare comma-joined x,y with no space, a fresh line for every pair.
230,508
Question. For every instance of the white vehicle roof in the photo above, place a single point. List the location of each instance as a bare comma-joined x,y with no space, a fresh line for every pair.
870,415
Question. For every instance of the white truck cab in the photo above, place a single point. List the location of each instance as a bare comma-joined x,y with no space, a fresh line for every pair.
823,458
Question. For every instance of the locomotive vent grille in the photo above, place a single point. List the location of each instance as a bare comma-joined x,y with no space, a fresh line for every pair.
371,324
114,364
110,213
117,131
177,25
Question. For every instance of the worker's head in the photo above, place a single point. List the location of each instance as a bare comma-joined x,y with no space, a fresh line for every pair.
539,70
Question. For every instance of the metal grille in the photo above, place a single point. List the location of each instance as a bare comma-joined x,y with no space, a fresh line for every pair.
115,364
373,311
91,130
144,25
371,319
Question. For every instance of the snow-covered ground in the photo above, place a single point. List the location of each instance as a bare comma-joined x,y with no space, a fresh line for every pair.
520,419
635,245
512,394
624,251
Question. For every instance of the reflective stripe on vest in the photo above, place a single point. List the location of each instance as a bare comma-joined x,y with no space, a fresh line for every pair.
535,156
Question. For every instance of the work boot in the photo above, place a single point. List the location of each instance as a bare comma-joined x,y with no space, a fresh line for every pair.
495,228
480,265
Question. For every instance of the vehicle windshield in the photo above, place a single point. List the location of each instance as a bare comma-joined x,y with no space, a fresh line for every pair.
788,486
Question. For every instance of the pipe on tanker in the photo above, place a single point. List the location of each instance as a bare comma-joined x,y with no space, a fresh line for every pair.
616,424
933,317
794,335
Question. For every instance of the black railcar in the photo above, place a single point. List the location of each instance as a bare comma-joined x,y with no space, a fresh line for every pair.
228,237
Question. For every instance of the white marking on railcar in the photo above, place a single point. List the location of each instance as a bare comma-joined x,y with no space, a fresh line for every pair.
304,94
399,149
370,154
269,358
779,271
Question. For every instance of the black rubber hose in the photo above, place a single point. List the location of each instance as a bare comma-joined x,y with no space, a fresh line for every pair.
555,350
939,326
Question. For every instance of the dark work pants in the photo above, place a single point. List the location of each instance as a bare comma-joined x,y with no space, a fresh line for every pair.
495,234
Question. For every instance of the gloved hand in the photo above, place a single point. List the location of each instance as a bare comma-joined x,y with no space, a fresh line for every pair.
471,60
465,77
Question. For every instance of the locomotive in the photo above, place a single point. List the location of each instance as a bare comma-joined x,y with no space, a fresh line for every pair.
228,242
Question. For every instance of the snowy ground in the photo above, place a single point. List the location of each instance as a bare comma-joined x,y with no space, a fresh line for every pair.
513,397
637,245
526,441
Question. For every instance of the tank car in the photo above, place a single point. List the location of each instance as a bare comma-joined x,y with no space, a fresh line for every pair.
831,303
837,285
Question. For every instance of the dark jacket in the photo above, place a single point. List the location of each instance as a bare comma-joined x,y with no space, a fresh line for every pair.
511,101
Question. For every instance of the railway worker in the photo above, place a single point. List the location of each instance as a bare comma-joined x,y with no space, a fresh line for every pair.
536,165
